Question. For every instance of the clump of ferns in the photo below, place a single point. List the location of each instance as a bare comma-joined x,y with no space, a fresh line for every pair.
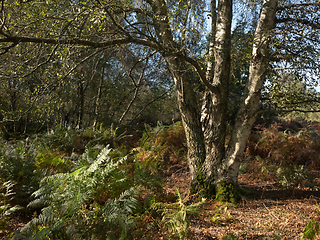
175,214
96,200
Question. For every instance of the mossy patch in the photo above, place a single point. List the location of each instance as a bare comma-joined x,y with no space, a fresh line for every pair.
201,184
228,192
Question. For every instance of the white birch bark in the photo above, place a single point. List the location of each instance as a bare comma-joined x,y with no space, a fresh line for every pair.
249,107
215,105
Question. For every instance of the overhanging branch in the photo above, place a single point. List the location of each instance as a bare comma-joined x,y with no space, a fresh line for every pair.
16,40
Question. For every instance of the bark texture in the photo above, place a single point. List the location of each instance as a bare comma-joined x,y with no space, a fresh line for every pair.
210,163
187,101
250,102
215,104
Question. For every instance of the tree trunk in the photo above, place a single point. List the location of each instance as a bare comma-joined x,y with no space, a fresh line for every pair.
81,91
218,175
186,97
250,105
213,168
97,101
215,105
189,113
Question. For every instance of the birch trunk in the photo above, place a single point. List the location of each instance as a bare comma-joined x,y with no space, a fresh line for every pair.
229,169
97,101
214,108
187,102
211,164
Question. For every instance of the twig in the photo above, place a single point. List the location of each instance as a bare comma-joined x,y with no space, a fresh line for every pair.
271,213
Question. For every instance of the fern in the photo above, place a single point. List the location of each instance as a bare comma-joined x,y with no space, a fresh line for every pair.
17,164
6,195
175,214
92,201
312,229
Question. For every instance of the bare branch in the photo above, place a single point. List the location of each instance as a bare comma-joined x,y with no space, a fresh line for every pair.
6,49
297,5
149,103
137,85
200,72
302,21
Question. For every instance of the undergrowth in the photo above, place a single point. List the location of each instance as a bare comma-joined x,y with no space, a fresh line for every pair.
162,146
84,190
6,209
313,228
175,214
283,154
96,200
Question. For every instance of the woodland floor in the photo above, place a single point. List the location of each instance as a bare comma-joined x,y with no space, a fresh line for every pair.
264,211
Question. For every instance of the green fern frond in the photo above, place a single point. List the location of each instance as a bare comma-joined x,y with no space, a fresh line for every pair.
175,214
72,207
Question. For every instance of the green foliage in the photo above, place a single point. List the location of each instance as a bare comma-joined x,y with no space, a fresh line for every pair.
175,214
276,236
50,162
312,229
93,201
17,164
6,195
62,138
292,176
231,237
289,92
223,216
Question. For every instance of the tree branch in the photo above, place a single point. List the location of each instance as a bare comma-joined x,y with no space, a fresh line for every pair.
75,41
302,21
137,86
149,103
297,5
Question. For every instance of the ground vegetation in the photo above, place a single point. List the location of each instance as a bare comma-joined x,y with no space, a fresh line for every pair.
139,189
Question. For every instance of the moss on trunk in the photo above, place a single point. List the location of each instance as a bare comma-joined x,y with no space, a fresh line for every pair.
202,185
223,191
228,192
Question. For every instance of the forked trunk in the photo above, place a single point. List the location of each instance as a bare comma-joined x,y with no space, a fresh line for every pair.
221,166
210,163
251,99
215,103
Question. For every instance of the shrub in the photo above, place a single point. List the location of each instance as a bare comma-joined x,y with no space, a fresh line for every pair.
283,154
162,146
17,163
